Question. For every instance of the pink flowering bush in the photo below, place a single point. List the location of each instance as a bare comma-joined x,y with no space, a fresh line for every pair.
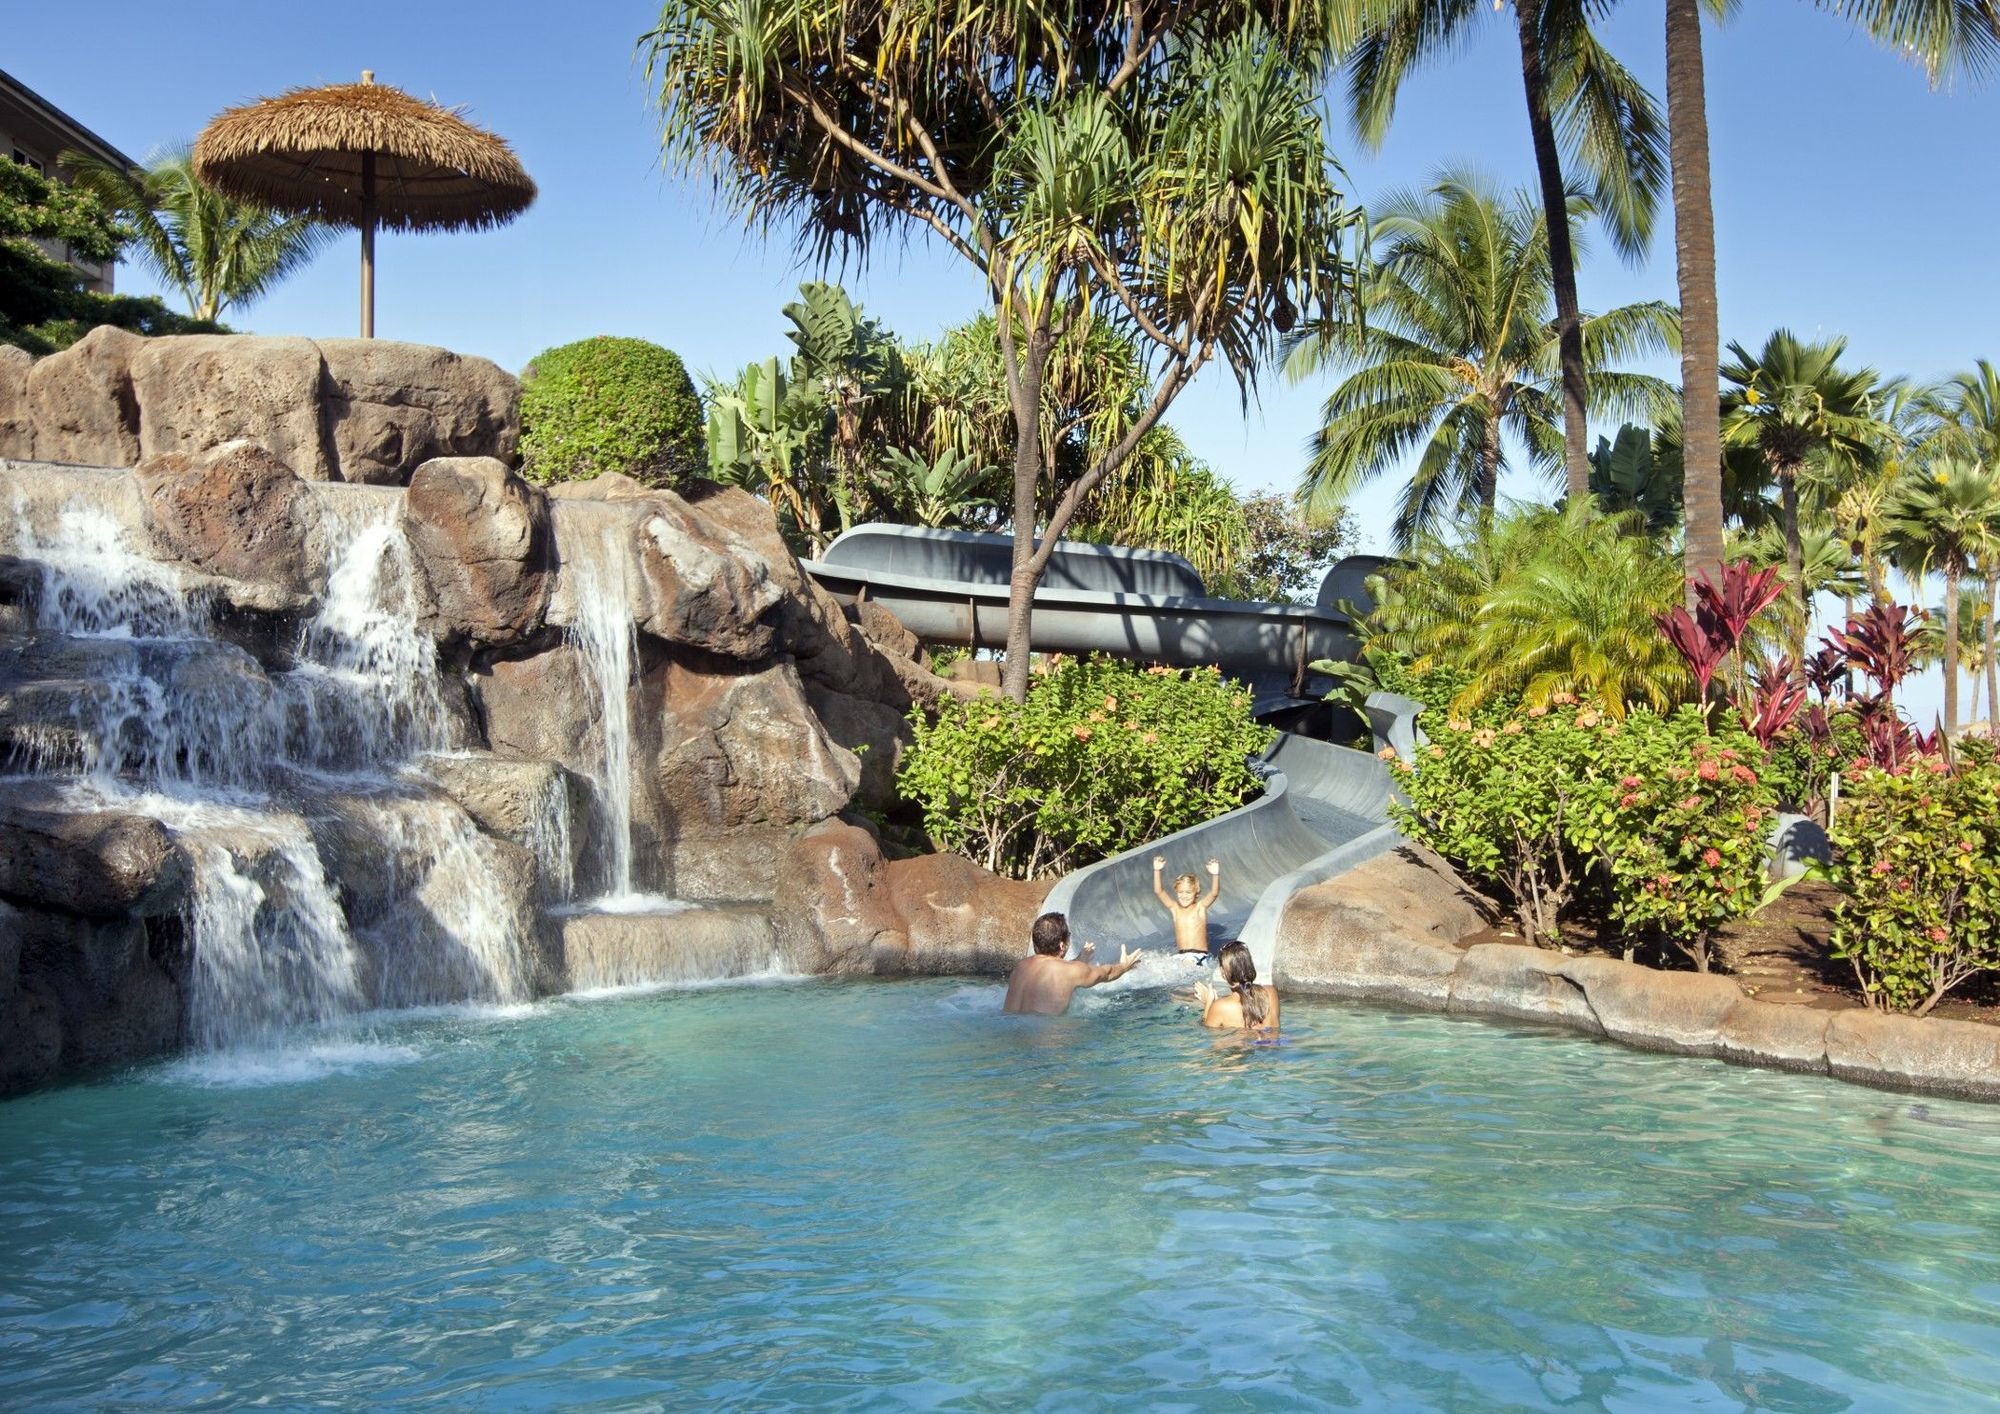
1661,822
1681,830
1917,852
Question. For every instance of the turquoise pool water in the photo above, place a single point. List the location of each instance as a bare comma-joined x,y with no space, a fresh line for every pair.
889,1195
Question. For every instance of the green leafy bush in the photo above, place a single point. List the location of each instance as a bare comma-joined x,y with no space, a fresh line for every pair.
1667,820
1102,757
1918,854
1681,828
609,404
1498,800
1802,762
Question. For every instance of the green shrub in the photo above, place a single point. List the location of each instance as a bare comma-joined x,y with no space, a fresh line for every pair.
1497,801
1102,757
1801,765
1681,828
608,404
1670,821
1918,855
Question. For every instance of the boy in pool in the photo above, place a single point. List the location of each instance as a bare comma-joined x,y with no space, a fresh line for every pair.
1043,983
1189,907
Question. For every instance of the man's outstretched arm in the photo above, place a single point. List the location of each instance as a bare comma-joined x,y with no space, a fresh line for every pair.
1110,971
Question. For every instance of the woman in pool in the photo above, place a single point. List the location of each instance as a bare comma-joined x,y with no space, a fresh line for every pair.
1245,1006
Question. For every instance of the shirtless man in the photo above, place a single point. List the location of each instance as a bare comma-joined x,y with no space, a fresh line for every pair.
1190,911
1042,984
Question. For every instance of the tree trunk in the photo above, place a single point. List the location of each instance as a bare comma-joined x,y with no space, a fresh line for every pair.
1795,566
1027,399
1488,489
1992,666
1951,574
1694,251
1562,253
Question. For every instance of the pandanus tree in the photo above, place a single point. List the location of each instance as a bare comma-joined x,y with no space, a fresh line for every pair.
1795,406
213,250
1946,518
1584,108
1457,347
1158,166
1945,37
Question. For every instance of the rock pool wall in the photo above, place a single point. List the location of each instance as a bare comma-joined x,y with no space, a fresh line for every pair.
1395,930
279,750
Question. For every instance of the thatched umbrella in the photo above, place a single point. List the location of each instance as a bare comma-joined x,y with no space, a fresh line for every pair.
364,155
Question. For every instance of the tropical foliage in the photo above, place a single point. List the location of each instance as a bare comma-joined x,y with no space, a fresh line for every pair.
609,405
1457,351
1102,757
43,303
213,250
1163,171
1540,602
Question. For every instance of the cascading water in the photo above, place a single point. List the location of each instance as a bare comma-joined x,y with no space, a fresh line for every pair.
145,707
594,562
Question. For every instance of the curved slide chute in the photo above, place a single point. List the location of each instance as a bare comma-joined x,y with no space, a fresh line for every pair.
1324,808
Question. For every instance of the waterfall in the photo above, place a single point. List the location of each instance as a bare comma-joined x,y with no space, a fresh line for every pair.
147,708
603,633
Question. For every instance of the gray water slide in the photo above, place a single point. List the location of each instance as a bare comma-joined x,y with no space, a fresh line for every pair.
1324,808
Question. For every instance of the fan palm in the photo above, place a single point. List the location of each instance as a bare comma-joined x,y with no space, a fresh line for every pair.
1457,345
1798,409
213,250
1583,106
1946,517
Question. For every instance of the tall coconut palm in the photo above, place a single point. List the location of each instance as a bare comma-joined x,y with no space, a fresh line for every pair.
1457,345
1965,423
1797,408
1946,517
213,250
1943,36
1583,107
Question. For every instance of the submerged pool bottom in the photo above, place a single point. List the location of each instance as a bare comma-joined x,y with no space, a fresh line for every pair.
880,1194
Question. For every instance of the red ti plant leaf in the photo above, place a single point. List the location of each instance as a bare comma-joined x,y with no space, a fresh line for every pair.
1819,726
1881,643
1699,640
1771,702
1743,594
1826,670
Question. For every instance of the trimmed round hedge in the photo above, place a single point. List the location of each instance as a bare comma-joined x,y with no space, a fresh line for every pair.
610,404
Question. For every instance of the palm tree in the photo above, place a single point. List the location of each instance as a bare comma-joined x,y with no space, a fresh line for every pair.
1609,123
1947,517
1942,35
1965,423
214,250
1798,409
1457,344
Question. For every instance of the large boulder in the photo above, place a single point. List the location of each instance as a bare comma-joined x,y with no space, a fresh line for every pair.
197,391
542,706
958,918
17,424
875,732
77,994
1389,929
238,512
841,908
83,403
702,584
482,541
108,864
391,407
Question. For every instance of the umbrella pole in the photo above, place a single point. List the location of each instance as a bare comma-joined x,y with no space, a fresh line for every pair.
367,245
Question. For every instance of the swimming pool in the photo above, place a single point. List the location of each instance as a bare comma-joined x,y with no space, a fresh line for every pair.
885,1194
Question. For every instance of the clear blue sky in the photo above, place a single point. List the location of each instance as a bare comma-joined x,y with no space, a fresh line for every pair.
1850,197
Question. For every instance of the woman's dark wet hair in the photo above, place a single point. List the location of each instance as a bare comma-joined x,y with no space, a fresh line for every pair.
1239,970
1051,934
